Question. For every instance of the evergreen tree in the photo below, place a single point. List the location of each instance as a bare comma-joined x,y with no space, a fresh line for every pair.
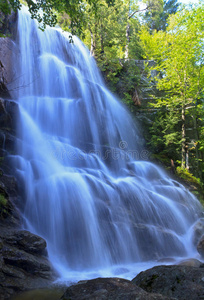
157,17
179,57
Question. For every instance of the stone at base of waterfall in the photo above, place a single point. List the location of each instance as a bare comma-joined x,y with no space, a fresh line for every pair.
28,242
200,247
21,270
191,262
181,282
23,261
108,288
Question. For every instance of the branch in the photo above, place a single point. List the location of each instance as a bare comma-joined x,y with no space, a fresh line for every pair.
136,11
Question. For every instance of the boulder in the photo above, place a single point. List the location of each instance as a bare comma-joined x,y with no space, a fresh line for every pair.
14,257
108,288
191,262
181,282
200,246
28,242
23,261
21,270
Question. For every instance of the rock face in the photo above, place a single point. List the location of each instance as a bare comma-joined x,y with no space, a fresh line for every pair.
6,72
198,230
108,288
200,246
8,50
7,24
23,262
180,282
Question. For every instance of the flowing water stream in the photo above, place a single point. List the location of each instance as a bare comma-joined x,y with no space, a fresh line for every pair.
102,209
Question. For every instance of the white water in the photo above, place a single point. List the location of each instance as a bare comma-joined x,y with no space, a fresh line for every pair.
102,211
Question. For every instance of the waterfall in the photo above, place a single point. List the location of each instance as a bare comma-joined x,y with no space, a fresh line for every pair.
86,189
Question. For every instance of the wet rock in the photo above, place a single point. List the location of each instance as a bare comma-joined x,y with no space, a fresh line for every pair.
4,116
8,184
28,242
191,262
8,73
21,270
108,288
200,246
181,282
7,24
29,263
198,231
166,260
23,264
151,250
9,214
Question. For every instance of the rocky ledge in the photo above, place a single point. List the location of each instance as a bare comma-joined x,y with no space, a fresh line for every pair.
162,282
177,281
109,288
23,256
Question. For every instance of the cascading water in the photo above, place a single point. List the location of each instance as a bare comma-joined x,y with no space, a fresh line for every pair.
86,191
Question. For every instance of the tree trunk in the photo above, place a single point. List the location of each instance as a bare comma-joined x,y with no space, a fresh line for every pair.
199,156
127,40
102,40
93,41
183,149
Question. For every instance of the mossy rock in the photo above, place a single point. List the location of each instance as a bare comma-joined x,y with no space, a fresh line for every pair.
4,207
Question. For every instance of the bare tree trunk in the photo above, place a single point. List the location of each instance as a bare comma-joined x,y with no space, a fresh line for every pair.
127,40
183,149
95,37
199,156
102,39
93,41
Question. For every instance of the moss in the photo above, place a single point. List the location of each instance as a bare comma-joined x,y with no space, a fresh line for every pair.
4,210
186,175
191,180
178,280
3,201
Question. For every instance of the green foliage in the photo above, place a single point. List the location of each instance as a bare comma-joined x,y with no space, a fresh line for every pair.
153,15
128,84
7,6
4,206
111,71
45,11
157,18
164,135
3,201
179,57
186,175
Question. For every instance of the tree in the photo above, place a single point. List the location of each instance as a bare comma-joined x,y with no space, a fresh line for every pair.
179,58
45,10
132,8
156,18
170,8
